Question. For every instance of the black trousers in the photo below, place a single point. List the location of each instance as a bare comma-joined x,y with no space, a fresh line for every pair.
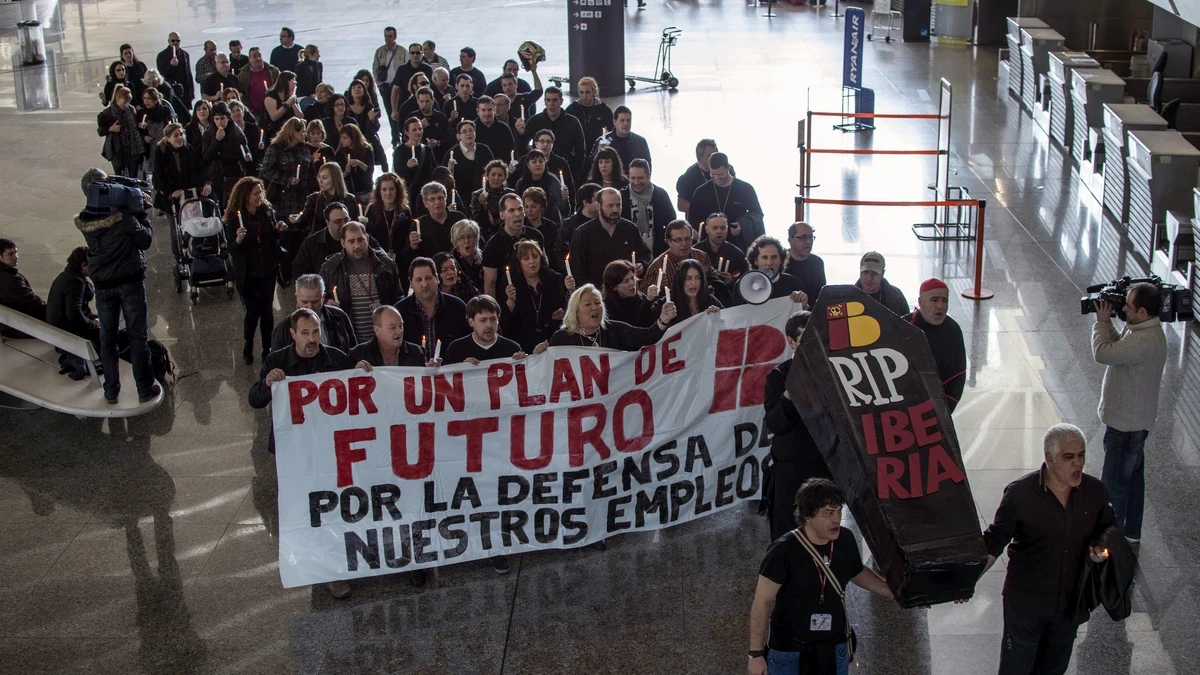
258,295
1035,645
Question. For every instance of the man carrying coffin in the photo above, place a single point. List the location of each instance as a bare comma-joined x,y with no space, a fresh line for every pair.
944,336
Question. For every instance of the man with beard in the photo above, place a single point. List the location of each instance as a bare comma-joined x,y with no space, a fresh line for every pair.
732,196
944,336
801,262
361,278
594,114
766,255
485,342
493,133
646,205
696,174
568,134
870,279
1054,518
336,329
429,314
497,255
605,238
319,246
629,146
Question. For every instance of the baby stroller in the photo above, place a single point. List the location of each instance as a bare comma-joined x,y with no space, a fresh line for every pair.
203,251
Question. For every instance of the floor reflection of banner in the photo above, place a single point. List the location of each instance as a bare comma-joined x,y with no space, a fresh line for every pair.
407,468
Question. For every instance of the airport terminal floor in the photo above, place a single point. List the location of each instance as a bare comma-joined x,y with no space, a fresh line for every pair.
149,545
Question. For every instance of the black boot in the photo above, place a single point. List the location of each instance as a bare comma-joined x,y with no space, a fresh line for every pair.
248,352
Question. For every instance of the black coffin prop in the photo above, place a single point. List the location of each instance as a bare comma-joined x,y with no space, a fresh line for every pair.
888,440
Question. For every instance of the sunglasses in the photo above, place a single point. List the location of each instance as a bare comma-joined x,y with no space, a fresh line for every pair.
174,42
415,53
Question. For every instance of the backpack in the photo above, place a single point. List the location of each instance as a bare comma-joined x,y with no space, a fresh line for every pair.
160,362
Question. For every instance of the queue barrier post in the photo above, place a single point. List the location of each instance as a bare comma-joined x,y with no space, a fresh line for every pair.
978,292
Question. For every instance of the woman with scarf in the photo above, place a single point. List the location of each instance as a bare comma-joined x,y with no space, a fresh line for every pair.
622,298
201,121
226,154
468,251
536,300
253,236
256,136
366,111
354,155
586,324
118,75
388,214
284,165
153,118
118,124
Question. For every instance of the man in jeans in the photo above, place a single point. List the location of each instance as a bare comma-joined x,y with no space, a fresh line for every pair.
1129,397
117,266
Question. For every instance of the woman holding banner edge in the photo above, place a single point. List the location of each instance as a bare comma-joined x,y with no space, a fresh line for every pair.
586,324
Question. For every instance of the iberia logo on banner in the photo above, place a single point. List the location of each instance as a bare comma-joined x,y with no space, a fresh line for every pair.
408,468
848,327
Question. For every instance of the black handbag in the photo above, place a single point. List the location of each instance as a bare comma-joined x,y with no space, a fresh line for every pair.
851,636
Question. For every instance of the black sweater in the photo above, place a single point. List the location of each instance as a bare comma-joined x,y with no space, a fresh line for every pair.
949,353
531,321
410,355
467,348
614,335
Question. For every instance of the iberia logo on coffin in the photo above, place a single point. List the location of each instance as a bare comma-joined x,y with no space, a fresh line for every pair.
906,441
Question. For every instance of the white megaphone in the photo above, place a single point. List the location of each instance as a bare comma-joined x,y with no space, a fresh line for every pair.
755,286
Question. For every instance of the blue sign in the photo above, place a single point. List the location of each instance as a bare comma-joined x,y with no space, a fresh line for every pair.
852,51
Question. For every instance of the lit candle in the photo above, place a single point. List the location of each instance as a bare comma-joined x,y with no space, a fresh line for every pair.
560,177
568,261
240,223
455,104
261,133
659,284
512,155
508,275
721,264
297,172
603,131
667,290
143,118
437,350
522,111
633,257
451,155
335,292
422,343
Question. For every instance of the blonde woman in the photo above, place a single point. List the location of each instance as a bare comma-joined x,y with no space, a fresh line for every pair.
586,324
123,144
331,188
467,251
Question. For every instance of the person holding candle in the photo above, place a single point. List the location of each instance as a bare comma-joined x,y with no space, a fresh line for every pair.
361,104
356,158
522,99
434,124
322,153
284,162
485,202
606,238
256,136
280,103
253,235
225,154
647,206
180,170
118,124
445,177
462,106
237,60
467,159
498,253
256,80
679,249
593,114
361,277
429,314
431,233
201,120
221,79
1051,521
555,164
331,187
175,66
404,78
388,348
533,173
568,132
623,301
586,324
118,75
535,203
492,132
413,160
467,254
690,291
388,217
153,118
607,169
536,300
731,260
449,279
336,329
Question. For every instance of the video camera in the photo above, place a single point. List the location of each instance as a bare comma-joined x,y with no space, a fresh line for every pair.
116,193
1176,300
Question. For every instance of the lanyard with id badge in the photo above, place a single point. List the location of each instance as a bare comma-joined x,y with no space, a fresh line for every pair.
820,622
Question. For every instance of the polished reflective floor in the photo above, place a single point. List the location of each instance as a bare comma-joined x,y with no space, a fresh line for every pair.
148,545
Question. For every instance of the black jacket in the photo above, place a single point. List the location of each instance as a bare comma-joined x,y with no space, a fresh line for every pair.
949,353
529,323
387,277
635,310
631,147
316,249
449,319
180,169
662,212
335,324
411,355
889,296
614,335
592,248
595,120
180,74
327,360
115,243
795,456
69,304
568,137
1108,583
15,293
225,158
258,254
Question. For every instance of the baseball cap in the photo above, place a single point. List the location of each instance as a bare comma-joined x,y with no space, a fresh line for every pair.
873,261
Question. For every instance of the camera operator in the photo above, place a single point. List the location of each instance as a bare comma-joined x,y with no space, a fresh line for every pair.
117,229
1129,397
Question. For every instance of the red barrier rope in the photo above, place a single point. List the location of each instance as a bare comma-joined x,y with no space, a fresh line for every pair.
838,151
880,116
862,202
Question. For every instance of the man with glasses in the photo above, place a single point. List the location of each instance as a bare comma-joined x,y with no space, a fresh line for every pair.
387,59
174,64
219,80
802,263
287,54
404,73
679,248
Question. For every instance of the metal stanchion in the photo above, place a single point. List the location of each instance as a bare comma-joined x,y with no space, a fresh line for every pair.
978,292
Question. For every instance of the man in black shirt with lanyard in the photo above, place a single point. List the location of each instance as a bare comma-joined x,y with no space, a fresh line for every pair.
731,196
809,626
1054,517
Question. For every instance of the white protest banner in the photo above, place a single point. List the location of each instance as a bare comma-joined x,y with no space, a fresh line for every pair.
409,468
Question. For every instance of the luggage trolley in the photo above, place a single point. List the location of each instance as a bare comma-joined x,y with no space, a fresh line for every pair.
662,66
885,8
